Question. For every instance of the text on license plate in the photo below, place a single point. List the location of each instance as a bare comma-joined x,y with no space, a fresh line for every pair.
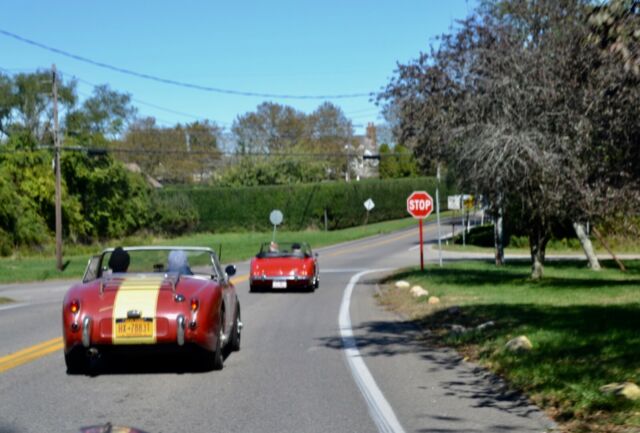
279,285
134,327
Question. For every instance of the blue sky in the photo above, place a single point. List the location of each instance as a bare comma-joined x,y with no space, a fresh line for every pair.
291,47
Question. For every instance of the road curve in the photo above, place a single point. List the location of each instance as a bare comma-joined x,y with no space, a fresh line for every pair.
291,375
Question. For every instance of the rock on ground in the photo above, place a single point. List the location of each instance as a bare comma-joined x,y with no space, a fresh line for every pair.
628,390
519,344
457,329
433,300
486,325
402,284
418,291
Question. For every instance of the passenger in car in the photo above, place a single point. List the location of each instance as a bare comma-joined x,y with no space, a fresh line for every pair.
296,250
119,260
178,262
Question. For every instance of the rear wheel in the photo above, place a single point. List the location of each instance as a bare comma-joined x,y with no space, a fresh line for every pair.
76,361
215,360
234,339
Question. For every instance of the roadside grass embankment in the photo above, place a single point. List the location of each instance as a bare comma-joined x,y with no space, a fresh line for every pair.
28,266
583,326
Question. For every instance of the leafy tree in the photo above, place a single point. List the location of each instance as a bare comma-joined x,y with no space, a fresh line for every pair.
114,202
388,162
272,128
272,171
522,108
26,104
615,28
201,140
397,162
28,213
178,154
102,116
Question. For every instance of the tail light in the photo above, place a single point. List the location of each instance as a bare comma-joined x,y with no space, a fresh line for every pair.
74,306
194,304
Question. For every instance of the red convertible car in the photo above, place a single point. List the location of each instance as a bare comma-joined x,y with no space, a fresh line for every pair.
286,266
165,297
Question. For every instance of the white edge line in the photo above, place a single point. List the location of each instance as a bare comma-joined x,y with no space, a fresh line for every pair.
379,408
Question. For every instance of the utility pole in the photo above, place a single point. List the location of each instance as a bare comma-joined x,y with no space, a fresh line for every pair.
56,143
438,216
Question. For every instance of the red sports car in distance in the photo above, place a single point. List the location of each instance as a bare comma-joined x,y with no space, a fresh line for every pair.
160,298
284,266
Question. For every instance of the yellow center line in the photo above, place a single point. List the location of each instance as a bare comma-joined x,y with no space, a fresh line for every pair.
30,354
370,245
240,278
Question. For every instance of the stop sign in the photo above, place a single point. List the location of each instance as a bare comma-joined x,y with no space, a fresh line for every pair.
420,204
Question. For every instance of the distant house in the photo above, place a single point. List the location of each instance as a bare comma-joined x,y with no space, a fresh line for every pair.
366,145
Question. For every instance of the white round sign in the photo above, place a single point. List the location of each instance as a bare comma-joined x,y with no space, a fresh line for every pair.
275,217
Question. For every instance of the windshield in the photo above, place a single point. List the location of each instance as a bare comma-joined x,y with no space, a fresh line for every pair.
291,249
159,260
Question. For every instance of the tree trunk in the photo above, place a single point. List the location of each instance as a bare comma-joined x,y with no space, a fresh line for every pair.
498,239
606,247
581,232
538,239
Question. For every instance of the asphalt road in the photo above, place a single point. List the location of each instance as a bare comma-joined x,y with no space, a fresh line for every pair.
302,368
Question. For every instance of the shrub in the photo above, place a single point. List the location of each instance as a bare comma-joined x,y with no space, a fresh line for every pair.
481,236
304,205
173,214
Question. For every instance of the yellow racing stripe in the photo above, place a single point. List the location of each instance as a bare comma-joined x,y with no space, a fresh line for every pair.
141,294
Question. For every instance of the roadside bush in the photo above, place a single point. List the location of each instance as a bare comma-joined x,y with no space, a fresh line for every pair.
303,205
481,236
6,243
173,214
113,202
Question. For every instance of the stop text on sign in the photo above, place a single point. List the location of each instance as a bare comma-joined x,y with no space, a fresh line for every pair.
419,204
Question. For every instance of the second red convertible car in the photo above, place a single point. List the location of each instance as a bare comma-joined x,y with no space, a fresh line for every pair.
152,297
286,266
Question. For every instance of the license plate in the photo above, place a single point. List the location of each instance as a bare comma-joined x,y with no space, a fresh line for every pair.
279,285
134,328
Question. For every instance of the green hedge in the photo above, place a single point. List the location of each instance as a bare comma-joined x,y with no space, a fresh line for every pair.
248,208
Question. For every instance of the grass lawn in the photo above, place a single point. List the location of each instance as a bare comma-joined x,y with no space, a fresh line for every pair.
584,327
4,300
235,247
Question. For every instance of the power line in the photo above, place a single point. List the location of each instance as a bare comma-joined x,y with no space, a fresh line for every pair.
182,113
213,151
176,82
149,104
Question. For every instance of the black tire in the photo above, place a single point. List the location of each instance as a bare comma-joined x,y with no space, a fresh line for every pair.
236,333
76,361
317,283
215,360
252,288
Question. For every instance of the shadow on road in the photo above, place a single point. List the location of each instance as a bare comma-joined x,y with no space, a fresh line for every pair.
148,362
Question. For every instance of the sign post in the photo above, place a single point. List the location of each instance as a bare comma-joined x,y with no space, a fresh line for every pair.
368,205
276,219
420,206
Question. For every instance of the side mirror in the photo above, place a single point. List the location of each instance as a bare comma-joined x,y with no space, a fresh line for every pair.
230,270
